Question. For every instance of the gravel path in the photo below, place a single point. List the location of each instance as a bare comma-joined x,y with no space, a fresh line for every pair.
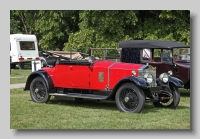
18,77
20,85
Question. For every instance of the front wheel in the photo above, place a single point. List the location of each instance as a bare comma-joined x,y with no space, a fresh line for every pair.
167,101
38,90
130,98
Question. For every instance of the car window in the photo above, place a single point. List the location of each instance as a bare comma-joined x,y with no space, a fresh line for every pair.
146,54
181,54
166,55
157,55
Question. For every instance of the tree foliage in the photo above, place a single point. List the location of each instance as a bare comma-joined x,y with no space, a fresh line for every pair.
15,24
79,30
101,29
107,28
54,27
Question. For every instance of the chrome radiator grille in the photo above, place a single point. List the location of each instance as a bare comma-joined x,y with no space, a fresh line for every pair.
148,69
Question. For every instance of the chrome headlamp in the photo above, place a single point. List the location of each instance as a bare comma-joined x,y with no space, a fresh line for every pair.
170,72
148,77
164,77
133,72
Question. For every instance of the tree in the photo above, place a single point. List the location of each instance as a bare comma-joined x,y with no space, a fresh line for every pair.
106,28
51,27
54,27
15,24
27,19
79,30
101,29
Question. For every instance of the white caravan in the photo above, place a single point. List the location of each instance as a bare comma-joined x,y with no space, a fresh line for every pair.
23,48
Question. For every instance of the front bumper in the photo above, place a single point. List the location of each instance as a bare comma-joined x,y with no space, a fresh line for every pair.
155,89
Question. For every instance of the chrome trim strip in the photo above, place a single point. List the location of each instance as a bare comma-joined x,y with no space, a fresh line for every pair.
108,86
143,67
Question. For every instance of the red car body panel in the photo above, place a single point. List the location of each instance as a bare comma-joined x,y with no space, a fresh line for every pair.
87,76
116,73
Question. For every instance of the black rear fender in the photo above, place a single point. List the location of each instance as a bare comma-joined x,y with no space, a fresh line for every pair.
44,75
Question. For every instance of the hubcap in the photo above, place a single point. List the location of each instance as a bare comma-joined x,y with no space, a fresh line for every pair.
126,99
36,90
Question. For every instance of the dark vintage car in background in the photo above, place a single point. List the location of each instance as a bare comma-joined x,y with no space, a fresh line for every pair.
164,55
130,85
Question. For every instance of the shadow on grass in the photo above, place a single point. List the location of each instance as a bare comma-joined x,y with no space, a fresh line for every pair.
103,104
151,108
184,94
86,103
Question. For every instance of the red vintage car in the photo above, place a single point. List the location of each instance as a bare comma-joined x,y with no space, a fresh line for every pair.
130,85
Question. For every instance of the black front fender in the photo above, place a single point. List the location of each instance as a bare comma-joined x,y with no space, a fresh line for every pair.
42,74
141,82
177,82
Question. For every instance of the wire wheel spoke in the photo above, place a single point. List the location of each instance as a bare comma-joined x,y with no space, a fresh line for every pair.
130,105
166,100
129,99
39,90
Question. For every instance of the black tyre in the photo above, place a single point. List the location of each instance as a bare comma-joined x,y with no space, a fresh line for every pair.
38,90
169,102
130,98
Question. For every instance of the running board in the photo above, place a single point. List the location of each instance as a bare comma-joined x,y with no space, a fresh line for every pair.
77,95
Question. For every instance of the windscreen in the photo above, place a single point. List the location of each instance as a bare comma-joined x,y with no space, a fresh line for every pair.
181,54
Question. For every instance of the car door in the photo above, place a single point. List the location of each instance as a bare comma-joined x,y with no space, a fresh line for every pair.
79,76
72,75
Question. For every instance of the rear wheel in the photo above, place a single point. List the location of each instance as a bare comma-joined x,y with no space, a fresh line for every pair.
130,98
38,90
169,102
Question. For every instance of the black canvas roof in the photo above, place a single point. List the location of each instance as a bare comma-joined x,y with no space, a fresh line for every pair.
150,44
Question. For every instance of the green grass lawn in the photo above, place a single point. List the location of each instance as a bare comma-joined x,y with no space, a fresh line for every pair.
19,75
92,114
20,72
